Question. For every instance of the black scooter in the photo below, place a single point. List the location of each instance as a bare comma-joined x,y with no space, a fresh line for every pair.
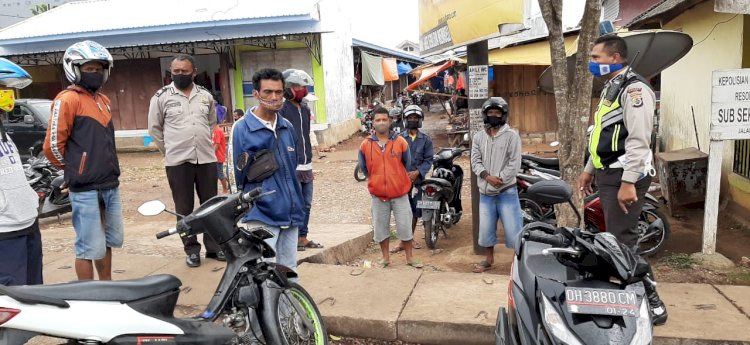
573,287
441,195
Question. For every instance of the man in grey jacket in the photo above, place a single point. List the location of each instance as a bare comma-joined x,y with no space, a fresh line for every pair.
20,240
496,159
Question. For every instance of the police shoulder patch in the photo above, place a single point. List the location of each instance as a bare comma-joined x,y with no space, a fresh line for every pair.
636,96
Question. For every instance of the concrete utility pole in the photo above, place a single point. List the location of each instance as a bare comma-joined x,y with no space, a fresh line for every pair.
478,60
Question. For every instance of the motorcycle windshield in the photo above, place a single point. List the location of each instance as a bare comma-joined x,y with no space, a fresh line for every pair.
615,254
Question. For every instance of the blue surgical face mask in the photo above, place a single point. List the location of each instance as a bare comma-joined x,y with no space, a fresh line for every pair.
600,69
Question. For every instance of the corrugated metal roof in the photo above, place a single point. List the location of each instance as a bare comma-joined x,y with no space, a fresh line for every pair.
402,55
137,16
665,10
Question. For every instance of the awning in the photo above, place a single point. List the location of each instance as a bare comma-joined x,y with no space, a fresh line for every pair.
429,73
404,68
134,23
536,53
372,70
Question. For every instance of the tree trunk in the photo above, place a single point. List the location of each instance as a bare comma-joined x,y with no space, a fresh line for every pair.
572,97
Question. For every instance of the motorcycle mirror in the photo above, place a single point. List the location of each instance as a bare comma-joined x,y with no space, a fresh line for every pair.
152,208
554,144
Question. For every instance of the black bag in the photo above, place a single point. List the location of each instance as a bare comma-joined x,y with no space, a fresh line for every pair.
262,166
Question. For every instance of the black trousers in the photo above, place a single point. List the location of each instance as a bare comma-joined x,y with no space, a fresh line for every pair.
623,226
184,180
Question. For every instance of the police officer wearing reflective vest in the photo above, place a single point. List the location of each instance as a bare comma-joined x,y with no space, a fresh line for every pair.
620,151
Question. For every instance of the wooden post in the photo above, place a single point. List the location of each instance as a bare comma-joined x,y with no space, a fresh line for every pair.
477,55
713,188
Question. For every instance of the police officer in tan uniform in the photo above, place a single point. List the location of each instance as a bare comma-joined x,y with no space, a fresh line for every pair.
620,148
181,118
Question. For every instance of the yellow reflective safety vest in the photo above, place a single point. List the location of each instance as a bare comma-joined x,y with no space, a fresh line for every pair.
607,141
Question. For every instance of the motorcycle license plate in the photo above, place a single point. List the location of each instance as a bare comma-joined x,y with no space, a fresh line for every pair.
428,204
602,301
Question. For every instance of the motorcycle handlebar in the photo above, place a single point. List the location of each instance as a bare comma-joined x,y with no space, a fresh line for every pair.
166,233
251,195
542,237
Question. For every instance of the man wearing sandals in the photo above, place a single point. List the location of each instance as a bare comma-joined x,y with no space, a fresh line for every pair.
384,158
496,159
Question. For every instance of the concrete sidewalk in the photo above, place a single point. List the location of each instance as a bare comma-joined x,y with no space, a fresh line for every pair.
417,306
402,303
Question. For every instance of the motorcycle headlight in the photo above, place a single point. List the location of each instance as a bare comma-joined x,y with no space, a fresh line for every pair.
556,324
643,335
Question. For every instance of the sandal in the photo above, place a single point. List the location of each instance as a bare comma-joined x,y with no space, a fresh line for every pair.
415,264
482,267
311,244
397,249
416,245
383,264
300,248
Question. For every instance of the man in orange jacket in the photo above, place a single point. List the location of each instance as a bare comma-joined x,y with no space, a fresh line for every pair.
384,158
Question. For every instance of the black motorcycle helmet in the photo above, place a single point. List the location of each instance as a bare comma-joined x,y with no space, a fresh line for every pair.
495,103
413,110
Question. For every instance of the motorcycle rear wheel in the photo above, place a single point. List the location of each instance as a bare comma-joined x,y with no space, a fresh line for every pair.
432,230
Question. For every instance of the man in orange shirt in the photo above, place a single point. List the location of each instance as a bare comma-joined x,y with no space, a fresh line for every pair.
385,159
220,146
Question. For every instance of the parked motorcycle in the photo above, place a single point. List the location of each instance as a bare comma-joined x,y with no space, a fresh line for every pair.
48,182
255,300
441,195
653,226
573,287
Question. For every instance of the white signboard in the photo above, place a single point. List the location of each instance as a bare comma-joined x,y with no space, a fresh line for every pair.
475,121
730,105
478,82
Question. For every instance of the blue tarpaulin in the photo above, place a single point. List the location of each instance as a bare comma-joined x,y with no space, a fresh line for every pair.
404,68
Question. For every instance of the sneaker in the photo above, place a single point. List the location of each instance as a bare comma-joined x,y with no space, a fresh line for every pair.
658,314
193,260
219,256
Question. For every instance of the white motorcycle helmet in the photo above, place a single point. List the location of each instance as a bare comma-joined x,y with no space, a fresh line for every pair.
295,77
81,53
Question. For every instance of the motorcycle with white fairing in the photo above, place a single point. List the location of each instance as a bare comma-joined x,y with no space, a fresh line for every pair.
256,301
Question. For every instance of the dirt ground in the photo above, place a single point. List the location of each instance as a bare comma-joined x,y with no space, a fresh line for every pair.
339,199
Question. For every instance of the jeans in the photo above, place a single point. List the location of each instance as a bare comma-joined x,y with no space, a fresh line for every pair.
284,242
307,194
505,207
95,232
21,259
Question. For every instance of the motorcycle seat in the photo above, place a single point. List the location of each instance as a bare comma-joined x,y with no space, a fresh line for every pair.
550,162
531,179
438,181
94,290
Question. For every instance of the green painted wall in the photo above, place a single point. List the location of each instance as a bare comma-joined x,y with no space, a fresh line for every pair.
320,105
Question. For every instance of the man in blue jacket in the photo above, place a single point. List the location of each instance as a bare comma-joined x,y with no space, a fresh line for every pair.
263,129
420,149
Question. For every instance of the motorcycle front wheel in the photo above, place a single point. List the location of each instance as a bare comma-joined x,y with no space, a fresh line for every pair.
295,318
653,232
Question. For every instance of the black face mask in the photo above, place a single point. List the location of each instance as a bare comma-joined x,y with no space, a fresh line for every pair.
413,124
92,80
182,81
495,121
